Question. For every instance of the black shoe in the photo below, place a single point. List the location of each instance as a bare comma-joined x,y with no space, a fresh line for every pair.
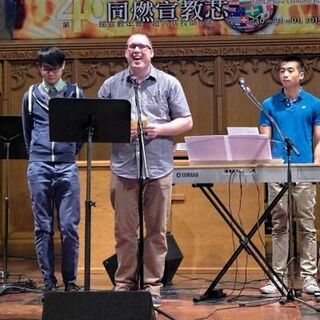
49,287
72,287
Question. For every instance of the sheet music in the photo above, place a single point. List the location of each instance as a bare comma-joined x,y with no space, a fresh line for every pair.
180,146
244,147
242,130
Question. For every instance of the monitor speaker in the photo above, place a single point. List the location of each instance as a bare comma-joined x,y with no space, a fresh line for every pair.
98,305
173,260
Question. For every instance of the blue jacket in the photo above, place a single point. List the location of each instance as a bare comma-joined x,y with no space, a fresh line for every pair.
35,120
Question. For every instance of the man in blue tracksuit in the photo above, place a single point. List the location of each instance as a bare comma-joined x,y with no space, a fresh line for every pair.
52,173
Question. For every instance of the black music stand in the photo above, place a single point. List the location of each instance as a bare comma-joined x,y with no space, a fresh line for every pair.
11,147
89,120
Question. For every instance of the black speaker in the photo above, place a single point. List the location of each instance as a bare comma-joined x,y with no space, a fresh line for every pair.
98,305
173,260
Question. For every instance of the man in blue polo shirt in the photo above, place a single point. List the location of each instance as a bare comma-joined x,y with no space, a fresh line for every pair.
297,113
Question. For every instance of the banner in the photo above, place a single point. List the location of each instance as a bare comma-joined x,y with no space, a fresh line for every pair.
48,19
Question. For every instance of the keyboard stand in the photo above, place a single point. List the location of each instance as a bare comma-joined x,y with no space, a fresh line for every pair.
245,243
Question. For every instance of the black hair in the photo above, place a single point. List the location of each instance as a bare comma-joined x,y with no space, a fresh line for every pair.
52,56
294,58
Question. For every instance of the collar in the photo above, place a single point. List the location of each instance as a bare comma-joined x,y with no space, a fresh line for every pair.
59,85
152,75
300,96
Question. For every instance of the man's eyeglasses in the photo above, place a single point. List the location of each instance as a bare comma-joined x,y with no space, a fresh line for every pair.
141,46
46,69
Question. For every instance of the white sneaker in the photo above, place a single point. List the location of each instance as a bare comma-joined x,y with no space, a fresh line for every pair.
156,300
270,287
310,285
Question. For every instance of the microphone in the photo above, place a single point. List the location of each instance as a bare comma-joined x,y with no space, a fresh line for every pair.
243,85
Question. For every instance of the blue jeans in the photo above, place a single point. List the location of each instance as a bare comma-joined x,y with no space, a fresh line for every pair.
55,186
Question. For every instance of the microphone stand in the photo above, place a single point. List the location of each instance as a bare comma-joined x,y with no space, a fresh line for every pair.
143,175
11,131
291,292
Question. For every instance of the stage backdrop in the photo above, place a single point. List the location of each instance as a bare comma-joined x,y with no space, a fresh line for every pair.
45,19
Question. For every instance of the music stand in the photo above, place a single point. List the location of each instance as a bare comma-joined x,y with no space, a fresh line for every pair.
11,147
89,120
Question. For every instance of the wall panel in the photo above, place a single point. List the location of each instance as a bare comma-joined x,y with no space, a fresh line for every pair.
209,69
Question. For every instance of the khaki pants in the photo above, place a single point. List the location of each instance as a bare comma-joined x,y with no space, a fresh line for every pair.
124,195
303,195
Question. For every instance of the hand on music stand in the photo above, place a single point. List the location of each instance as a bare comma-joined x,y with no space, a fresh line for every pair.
11,147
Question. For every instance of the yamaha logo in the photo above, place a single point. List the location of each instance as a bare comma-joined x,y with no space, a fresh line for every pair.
191,174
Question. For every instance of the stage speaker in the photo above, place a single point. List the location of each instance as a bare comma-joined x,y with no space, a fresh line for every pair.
98,305
173,260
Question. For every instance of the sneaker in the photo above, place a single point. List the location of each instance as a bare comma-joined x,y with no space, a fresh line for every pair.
270,287
72,287
156,300
49,287
310,285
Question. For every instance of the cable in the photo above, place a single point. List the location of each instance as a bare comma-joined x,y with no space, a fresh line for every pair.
237,307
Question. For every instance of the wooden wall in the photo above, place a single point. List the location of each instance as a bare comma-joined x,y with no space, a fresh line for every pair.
209,69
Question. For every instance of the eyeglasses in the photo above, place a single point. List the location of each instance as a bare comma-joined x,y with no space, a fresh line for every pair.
141,46
50,69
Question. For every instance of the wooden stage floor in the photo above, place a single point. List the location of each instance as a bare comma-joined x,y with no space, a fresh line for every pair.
177,299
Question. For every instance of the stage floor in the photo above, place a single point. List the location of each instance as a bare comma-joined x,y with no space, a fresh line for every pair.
177,298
